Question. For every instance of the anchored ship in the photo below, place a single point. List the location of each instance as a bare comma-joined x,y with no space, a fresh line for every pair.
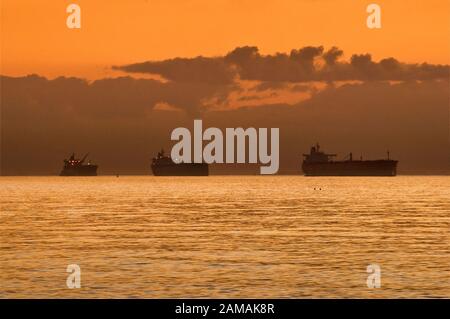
318,163
163,165
76,167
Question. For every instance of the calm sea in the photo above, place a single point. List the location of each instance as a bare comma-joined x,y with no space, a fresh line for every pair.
225,236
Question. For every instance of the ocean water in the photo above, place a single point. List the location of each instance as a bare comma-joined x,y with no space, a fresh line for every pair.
225,236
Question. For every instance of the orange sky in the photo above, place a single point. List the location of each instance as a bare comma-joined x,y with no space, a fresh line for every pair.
35,39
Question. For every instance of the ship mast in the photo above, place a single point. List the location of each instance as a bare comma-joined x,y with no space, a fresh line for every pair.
84,158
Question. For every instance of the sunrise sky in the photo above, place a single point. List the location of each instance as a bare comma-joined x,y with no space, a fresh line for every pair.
35,39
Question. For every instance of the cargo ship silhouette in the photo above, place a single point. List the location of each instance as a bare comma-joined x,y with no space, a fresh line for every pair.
75,167
163,165
318,163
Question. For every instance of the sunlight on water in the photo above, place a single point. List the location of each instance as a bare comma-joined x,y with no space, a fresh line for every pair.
217,236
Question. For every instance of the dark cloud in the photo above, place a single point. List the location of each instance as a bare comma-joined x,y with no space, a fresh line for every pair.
281,67
242,55
332,55
45,120
305,57
199,69
298,66
105,98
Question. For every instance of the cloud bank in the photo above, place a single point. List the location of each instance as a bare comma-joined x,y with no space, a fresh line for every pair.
300,65
117,121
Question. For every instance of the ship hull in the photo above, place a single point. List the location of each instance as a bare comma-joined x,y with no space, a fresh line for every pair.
351,168
86,170
182,169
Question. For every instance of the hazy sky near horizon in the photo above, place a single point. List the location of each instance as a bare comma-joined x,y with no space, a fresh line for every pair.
35,39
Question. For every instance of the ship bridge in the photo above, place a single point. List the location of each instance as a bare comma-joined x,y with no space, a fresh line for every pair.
317,156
